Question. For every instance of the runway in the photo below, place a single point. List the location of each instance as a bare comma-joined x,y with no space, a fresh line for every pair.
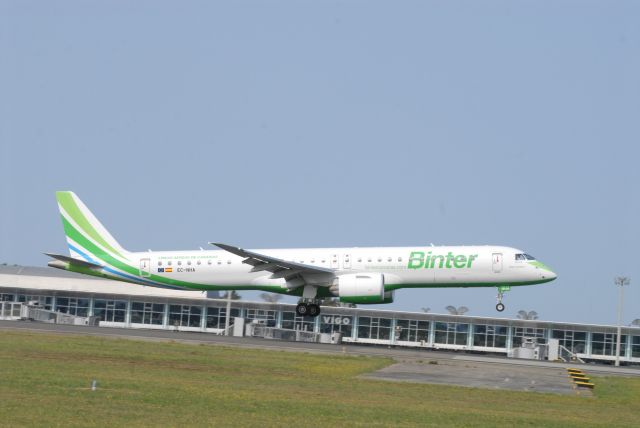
412,365
481,375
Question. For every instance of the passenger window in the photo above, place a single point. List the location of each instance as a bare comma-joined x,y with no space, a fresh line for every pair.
399,259
389,259
369,259
189,263
219,262
169,263
359,259
228,262
199,262
179,263
379,259
159,263
209,261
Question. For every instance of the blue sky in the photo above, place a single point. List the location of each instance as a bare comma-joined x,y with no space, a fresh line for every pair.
343,123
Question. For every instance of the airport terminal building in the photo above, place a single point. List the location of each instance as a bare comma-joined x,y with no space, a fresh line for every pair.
119,304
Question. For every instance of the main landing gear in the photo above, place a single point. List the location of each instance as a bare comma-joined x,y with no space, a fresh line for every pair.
305,309
308,306
501,290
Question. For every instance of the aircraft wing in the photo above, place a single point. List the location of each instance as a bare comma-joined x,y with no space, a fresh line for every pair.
279,268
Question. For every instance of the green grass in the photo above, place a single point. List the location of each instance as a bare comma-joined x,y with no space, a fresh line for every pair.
45,381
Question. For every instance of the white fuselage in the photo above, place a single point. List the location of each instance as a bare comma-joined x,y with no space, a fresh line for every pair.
402,267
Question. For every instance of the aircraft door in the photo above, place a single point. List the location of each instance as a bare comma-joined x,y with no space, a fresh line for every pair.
145,267
497,262
346,261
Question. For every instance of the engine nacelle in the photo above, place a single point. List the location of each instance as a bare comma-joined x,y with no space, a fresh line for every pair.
361,288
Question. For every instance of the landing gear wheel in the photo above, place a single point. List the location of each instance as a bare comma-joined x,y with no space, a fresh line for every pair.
302,309
314,310
501,290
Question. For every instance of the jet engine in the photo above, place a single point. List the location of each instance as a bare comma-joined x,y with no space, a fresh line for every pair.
361,288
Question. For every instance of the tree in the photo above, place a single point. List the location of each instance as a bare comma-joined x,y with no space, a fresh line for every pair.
271,297
426,310
635,322
331,301
335,302
234,295
527,315
457,311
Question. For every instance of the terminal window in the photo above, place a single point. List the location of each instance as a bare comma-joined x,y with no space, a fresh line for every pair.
451,333
268,317
635,346
412,330
217,317
539,334
147,313
374,328
7,297
110,310
45,302
293,322
575,341
490,336
185,316
605,344
73,306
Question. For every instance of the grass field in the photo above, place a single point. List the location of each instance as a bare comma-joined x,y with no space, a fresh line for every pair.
45,381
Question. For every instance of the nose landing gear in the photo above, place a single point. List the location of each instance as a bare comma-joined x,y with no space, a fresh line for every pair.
501,290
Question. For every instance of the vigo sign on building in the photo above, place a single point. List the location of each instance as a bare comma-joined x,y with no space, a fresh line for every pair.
329,319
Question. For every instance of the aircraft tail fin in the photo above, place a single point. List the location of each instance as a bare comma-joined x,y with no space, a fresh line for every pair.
87,238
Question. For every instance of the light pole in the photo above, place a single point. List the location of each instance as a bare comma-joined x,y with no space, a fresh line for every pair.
228,317
621,281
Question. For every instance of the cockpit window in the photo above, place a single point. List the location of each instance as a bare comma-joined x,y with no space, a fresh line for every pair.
524,257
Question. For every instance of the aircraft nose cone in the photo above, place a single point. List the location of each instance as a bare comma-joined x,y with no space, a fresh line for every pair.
549,275
543,272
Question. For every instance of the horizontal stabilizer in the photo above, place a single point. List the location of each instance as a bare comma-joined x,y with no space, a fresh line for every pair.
74,261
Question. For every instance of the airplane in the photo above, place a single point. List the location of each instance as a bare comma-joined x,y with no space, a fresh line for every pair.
353,275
